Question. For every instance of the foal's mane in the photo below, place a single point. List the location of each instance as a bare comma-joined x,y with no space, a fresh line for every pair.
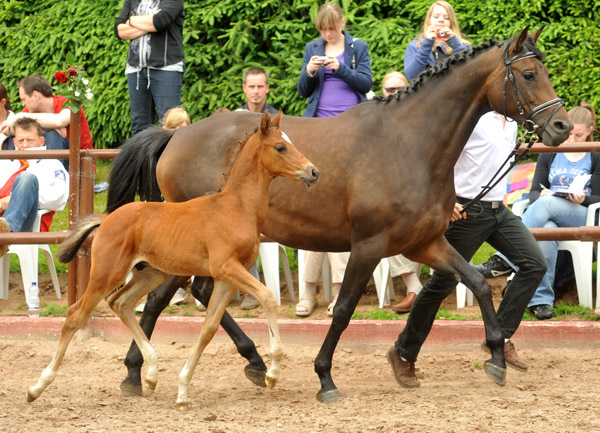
235,152
441,67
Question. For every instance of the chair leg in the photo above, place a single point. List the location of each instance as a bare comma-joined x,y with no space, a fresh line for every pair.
4,276
270,263
52,268
581,253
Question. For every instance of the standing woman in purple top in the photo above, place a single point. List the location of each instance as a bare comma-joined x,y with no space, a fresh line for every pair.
336,75
440,38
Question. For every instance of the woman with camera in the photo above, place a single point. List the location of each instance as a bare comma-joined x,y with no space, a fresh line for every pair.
336,75
441,37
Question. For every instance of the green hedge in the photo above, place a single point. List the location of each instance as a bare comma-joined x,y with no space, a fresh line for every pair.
223,37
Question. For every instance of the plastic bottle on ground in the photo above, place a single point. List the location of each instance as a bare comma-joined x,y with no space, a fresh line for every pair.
34,300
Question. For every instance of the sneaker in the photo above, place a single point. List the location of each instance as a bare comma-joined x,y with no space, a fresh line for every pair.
249,303
178,297
4,228
494,267
543,312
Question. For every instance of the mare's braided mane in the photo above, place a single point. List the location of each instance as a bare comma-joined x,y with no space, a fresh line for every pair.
444,65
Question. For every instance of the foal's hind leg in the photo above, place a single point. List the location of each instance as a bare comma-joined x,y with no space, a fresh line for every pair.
157,300
123,303
76,317
221,297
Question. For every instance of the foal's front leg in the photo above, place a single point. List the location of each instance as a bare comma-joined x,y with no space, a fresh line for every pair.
222,294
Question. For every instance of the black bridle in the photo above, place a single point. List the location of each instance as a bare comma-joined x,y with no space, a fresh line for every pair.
531,130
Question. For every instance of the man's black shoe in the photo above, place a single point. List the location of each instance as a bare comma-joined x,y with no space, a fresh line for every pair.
543,312
494,267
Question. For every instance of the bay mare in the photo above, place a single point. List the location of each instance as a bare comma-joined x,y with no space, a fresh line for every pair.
386,182
215,235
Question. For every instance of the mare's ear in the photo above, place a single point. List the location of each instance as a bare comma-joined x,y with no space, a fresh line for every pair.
277,120
519,41
265,123
535,35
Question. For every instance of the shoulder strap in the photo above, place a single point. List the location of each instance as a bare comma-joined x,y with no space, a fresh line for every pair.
353,53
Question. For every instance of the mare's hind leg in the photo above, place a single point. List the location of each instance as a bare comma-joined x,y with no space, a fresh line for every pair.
202,288
123,303
76,317
364,258
157,300
221,297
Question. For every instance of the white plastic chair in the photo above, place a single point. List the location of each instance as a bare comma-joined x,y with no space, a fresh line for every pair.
270,253
463,295
582,253
381,276
28,259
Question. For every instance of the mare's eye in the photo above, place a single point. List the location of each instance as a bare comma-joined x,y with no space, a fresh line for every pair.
529,76
280,148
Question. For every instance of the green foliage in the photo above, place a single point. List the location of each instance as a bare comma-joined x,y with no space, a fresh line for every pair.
224,37
53,310
377,314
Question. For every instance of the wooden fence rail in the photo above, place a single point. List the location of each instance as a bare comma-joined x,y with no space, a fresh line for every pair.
82,193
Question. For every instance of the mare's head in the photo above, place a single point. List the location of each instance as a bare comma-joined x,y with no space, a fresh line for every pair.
527,94
279,156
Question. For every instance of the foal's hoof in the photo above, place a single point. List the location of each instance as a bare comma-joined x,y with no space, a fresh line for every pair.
498,374
183,406
330,396
270,382
131,390
257,377
150,385
30,397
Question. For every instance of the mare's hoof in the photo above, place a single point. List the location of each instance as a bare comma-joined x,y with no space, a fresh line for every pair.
131,390
257,377
498,374
330,396
183,406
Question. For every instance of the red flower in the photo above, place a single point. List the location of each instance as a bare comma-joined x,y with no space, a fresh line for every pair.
61,77
72,72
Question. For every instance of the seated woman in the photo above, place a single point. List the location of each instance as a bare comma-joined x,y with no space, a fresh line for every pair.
555,172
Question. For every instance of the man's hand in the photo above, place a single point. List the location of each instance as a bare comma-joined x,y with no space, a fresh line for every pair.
4,203
457,214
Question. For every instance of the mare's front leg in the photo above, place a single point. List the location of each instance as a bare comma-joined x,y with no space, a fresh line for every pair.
445,259
221,297
123,303
202,289
364,258
157,301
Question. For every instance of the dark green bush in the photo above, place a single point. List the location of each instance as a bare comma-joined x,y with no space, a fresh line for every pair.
223,37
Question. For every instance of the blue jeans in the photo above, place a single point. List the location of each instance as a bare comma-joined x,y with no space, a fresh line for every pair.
152,88
23,205
550,211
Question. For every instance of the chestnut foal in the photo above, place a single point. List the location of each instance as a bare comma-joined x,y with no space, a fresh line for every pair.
216,235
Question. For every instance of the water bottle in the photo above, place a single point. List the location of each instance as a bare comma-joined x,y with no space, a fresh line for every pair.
34,300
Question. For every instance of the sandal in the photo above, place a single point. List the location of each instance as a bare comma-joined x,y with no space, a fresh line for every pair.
330,307
306,306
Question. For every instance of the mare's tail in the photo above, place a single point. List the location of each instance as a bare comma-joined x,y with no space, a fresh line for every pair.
134,169
68,249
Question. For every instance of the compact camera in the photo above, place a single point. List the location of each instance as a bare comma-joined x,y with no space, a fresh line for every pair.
440,33
323,58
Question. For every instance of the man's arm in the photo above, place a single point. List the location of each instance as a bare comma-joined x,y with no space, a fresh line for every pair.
48,120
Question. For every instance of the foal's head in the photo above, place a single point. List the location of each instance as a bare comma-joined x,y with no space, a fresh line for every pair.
279,156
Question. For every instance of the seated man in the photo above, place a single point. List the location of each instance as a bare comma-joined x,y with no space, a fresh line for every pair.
42,105
28,185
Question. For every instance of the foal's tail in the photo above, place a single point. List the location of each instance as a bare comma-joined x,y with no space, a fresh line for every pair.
68,249
134,169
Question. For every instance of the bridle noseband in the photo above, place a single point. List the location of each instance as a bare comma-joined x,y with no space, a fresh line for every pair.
531,130
528,122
